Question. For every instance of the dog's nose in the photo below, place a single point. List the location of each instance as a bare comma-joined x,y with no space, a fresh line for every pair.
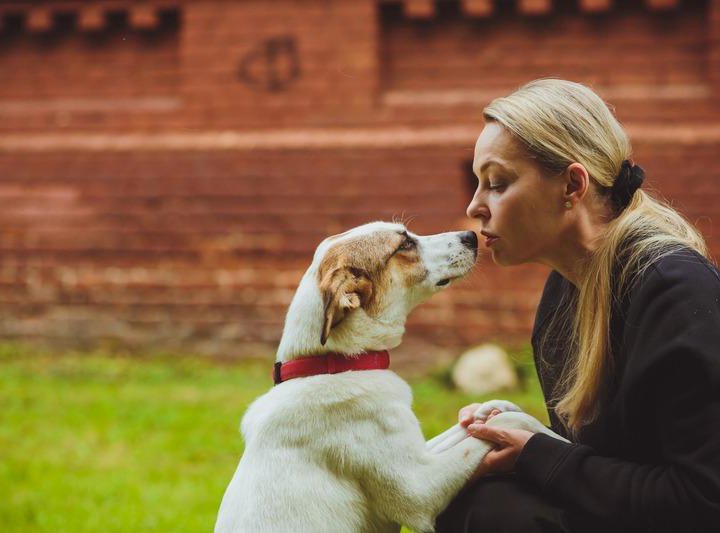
469,239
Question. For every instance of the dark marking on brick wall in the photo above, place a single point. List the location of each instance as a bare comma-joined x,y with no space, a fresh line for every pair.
272,65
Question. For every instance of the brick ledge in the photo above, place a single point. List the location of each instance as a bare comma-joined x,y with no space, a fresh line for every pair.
315,139
453,97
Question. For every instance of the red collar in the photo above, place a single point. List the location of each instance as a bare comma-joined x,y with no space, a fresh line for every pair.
329,363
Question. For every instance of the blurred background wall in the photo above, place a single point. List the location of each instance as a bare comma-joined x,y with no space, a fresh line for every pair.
167,167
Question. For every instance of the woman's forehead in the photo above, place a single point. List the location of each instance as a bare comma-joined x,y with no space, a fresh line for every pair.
496,146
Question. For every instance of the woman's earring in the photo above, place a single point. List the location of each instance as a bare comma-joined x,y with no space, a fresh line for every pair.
568,205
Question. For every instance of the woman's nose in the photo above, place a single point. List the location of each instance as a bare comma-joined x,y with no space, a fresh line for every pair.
477,209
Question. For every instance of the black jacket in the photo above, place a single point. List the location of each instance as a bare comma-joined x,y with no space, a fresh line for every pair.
651,461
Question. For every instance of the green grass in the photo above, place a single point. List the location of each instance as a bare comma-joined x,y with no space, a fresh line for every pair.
103,442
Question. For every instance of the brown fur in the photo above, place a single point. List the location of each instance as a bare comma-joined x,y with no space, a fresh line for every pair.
355,272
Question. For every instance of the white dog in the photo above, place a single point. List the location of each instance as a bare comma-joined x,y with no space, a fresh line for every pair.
331,450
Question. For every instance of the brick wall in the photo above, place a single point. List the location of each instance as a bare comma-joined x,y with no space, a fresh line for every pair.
167,168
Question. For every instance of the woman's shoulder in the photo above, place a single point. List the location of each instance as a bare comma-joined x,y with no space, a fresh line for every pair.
680,280
687,264
684,269
672,316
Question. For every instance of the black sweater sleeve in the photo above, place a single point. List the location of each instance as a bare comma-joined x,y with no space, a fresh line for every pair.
671,341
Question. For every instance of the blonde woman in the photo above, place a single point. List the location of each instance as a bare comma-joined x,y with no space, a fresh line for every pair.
626,337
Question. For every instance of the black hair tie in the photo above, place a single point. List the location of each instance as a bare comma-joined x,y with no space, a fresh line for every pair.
628,180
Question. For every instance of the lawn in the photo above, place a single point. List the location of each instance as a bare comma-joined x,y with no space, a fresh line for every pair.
109,442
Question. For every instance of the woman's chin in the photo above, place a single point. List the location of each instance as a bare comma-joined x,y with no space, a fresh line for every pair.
502,259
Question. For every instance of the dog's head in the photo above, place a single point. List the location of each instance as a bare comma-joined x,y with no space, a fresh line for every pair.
384,270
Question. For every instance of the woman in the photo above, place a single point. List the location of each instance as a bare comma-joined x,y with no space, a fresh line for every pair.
626,337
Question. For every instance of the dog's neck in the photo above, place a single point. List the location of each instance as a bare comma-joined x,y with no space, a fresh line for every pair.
358,333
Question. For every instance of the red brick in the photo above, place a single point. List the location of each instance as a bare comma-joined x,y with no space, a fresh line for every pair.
535,7
143,17
477,8
595,6
419,9
39,20
662,5
91,18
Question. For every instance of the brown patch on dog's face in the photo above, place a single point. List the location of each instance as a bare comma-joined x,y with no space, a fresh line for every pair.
356,272
366,252
406,260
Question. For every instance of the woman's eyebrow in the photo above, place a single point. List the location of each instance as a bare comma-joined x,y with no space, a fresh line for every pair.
488,163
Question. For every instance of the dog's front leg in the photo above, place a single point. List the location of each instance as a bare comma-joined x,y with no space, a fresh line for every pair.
413,486
508,419
459,461
515,420
455,434
447,439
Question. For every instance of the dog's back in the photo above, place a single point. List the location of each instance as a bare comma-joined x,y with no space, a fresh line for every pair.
302,469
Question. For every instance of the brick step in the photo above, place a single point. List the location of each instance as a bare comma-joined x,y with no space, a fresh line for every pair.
216,230
239,193
155,176
31,205
261,275
60,256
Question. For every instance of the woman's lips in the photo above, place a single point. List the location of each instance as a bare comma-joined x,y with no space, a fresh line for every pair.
489,238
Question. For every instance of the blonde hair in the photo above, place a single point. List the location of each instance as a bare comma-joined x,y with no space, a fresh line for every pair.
560,123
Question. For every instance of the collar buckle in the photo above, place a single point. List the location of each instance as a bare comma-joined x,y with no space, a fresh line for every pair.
276,373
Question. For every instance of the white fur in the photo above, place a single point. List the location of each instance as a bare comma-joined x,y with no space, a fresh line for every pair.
344,452
456,434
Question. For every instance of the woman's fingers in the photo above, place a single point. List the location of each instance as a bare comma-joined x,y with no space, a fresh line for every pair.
485,408
508,444
467,414
481,430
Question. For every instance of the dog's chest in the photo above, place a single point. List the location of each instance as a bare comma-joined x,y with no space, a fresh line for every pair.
320,412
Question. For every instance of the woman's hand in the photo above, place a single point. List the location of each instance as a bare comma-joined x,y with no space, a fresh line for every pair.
482,411
508,445
466,416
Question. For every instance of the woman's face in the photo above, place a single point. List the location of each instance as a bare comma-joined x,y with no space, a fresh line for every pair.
519,208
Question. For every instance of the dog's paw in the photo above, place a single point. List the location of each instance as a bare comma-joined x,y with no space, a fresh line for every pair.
517,420
482,412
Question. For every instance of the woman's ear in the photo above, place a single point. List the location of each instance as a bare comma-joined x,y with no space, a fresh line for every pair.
577,183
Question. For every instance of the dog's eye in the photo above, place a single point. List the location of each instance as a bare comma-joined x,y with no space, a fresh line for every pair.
407,244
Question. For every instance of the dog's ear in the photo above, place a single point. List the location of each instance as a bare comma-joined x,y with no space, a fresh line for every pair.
343,289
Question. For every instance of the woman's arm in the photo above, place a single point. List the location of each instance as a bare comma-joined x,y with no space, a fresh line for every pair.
671,341
678,494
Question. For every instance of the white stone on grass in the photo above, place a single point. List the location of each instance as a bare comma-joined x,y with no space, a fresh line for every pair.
483,370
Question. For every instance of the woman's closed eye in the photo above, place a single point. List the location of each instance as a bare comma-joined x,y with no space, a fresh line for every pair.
493,182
